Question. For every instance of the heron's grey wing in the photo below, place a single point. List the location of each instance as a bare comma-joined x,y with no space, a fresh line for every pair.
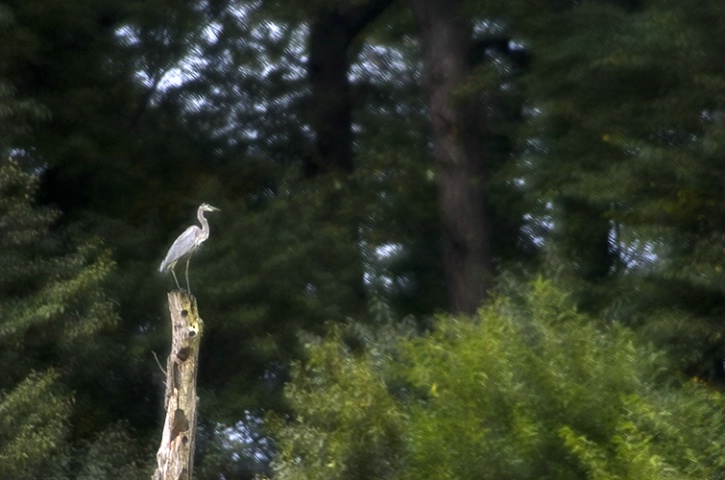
182,246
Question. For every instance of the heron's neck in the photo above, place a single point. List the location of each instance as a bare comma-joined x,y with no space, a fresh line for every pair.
204,222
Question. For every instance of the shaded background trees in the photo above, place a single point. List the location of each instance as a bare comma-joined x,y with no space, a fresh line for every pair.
618,145
369,168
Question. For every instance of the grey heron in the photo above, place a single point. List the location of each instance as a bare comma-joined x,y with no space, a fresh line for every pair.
187,243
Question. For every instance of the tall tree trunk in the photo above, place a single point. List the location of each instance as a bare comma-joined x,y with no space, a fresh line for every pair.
446,39
332,32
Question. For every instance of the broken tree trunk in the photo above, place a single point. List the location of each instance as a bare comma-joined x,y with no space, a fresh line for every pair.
175,458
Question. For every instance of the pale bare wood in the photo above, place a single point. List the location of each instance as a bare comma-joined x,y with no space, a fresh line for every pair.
175,458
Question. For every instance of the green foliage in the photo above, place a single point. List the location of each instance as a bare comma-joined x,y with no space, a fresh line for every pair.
621,154
15,114
395,176
346,424
532,388
45,290
114,453
280,265
33,428
622,158
52,306
529,388
51,298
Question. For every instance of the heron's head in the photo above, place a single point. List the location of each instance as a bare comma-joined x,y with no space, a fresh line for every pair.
205,207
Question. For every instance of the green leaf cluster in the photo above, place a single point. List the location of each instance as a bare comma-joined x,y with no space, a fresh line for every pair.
528,388
51,308
33,427
346,424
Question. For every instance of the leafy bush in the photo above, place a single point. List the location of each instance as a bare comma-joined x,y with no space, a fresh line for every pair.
528,388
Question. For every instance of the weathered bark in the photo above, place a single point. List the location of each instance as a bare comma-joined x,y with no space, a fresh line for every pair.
446,40
175,458
332,32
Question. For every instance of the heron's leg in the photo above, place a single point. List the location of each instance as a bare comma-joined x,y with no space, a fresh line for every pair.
175,279
188,288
